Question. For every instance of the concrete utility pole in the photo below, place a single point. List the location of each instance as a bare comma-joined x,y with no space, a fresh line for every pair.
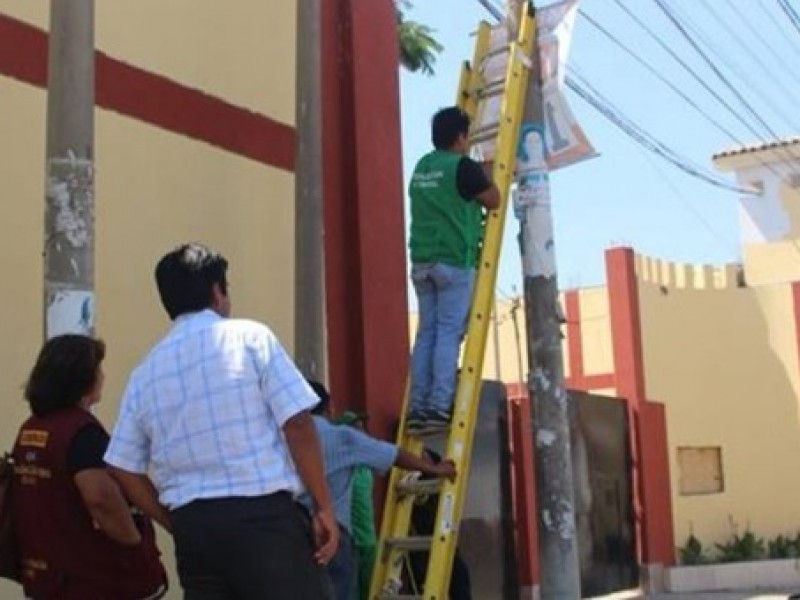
555,494
309,289
69,188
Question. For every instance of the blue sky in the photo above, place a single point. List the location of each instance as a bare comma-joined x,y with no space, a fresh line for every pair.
627,195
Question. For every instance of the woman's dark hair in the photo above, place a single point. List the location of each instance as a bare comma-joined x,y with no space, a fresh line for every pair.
447,125
322,394
185,278
65,371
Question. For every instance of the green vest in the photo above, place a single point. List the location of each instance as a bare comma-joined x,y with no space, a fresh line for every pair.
445,228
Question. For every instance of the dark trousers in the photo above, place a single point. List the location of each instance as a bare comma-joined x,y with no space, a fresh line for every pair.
259,548
342,568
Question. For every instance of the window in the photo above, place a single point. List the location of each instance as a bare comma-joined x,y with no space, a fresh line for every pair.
700,470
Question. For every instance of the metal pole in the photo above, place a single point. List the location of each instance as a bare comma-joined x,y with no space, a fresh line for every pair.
558,542
309,291
69,186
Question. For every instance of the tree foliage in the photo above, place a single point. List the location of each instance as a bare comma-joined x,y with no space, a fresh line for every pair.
418,46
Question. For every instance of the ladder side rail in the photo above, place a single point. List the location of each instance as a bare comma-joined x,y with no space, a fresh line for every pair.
397,512
459,445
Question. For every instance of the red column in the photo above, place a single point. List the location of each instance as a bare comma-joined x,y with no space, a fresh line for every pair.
364,222
649,450
523,485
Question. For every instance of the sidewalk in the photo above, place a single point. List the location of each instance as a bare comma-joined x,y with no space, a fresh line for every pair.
733,595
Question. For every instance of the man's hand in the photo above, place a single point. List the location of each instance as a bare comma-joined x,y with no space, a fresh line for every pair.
326,535
445,469
141,492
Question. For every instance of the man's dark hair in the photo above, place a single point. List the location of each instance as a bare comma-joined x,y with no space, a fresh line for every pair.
447,125
324,397
65,371
185,278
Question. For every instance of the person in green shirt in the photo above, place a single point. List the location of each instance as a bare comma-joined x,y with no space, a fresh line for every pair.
448,193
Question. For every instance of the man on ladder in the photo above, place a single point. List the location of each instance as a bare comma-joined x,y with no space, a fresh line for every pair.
446,230
447,192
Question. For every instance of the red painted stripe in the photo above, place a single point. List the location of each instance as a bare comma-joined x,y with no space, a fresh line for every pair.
652,499
523,491
796,306
588,383
572,306
626,329
155,100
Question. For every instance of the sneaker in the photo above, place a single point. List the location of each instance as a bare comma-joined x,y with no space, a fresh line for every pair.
437,420
416,419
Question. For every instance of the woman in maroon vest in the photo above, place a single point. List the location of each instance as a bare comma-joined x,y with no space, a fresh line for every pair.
78,536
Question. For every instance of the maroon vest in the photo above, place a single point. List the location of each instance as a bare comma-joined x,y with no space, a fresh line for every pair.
64,555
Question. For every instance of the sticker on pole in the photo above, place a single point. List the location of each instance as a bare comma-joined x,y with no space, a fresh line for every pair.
70,311
448,507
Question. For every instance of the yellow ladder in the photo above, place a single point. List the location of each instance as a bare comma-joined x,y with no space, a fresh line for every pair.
498,139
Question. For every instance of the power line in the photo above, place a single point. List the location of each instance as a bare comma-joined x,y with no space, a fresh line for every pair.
768,13
790,13
779,60
700,80
679,197
668,12
581,87
661,77
724,58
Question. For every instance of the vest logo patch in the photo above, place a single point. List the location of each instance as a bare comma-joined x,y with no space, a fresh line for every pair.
34,437
30,474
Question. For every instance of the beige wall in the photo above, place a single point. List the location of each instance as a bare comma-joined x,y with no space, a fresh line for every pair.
245,56
154,188
723,360
596,341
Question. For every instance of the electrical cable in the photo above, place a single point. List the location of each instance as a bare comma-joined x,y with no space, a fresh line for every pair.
784,34
582,88
790,13
703,83
661,78
743,74
669,13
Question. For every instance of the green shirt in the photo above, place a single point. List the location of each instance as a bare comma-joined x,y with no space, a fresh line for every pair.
363,515
445,227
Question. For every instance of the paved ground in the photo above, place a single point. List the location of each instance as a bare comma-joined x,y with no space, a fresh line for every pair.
741,595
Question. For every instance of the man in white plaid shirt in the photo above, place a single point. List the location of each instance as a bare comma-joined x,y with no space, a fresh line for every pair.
217,414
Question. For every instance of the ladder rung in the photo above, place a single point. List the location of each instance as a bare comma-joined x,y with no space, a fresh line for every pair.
411,543
485,133
499,51
426,434
492,89
418,487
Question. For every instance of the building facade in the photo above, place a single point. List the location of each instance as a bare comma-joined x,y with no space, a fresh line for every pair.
195,140
706,358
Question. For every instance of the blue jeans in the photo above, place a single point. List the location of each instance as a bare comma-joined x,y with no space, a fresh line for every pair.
342,568
444,295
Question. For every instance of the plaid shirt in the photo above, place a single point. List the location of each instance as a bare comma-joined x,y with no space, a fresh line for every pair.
345,449
203,412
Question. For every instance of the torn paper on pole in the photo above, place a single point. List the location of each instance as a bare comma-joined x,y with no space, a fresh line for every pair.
531,201
565,141
70,311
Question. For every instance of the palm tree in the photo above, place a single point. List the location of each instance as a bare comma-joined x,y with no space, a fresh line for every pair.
418,47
